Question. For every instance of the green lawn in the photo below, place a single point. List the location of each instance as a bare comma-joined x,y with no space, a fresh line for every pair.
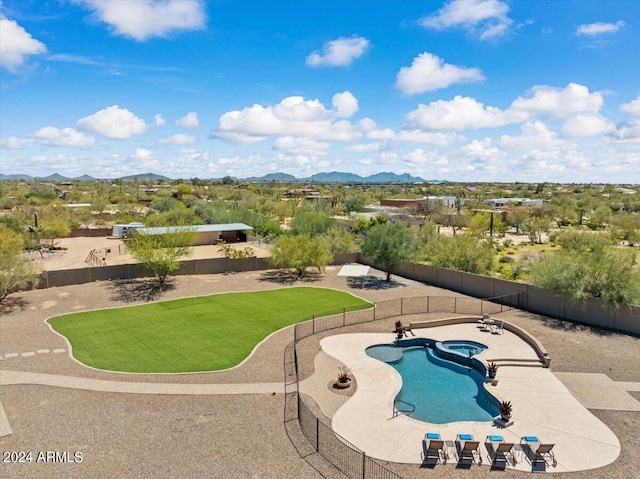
208,333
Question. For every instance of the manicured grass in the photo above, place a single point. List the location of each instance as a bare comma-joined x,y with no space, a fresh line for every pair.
208,333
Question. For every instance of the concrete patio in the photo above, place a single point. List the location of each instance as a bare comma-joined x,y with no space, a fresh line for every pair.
543,406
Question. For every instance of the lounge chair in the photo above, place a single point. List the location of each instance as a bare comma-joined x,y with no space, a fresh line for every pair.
434,447
540,451
468,447
501,450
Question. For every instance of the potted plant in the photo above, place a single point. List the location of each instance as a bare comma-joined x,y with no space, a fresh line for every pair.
492,370
399,330
505,410
344,379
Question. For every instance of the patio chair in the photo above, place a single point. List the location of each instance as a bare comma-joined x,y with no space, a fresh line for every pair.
501,450
484,322
540,451
498,327
433,446
468,447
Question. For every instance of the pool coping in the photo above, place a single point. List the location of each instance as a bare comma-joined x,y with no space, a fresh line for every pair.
543,406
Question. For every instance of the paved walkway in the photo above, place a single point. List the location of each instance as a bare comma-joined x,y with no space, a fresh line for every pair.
598,391
543,406
31,353
8,378
19,377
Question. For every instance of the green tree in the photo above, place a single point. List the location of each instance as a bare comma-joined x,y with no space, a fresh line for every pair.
461,252
626,227
341,241
481,224
353,204
16,271
609,273
581,241
536,226
161,253
52,229
311,223
388,245
454,221
517,219
300,252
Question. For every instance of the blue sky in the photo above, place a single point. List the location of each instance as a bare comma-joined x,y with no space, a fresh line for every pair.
463,90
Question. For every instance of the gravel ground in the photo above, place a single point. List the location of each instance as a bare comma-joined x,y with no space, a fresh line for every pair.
229,436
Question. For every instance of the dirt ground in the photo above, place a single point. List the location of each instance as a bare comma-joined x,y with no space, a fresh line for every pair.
78,249
235,436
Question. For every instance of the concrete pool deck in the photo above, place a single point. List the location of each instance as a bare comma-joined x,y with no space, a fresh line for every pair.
542,406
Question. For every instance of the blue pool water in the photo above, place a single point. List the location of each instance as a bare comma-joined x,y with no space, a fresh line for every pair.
468,348
442,391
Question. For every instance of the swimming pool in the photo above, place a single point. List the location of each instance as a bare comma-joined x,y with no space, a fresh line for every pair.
441,390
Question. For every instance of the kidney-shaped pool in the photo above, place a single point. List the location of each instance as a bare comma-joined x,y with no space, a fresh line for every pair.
441,390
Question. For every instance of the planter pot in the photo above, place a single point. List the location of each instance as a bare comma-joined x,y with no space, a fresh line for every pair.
344,385
505,418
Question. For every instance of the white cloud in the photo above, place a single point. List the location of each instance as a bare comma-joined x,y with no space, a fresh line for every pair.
535,135
190,120
339,53
52,136
599,28
301,146
414,136
363,148
159,120
420,157
488,18
238,138
16,44
143,155
192,154
560,102
387,158
11,143
627,132
632,108
113,122
461,113
482,149
293,116
435,138
585,125
144,19
345,104
178,139
429,72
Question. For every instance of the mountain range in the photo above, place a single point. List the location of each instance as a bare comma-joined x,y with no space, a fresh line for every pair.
331,177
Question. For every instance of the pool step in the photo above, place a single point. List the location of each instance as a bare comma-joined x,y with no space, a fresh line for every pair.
531,363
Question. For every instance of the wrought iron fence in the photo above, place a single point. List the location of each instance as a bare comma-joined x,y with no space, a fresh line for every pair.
342,455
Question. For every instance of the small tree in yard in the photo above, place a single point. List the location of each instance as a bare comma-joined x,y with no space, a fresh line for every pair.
388,245
300,252
161,253
16,271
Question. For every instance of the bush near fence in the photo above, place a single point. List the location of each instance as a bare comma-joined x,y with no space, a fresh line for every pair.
555,304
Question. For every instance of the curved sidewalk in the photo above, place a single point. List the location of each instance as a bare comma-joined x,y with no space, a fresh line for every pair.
8,378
